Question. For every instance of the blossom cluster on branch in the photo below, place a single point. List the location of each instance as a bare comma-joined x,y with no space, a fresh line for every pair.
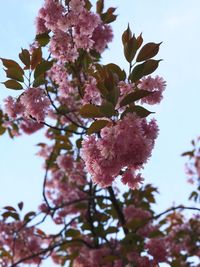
95,119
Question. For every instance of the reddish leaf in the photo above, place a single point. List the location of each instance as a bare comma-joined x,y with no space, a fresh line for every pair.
96,126
148,51
25,57
127,35
90,111
36,57
12,84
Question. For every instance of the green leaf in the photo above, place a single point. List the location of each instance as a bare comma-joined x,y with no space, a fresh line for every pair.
15,74
79,142
90,111
42,68
112,230
72,233
2,130
12,84
117,70
29,216
148,51
10,208
43,38
141,112
39,81
11,214
113,95
88,5
107,109
25,57
96,126
134,96
137,73
188,153
130,49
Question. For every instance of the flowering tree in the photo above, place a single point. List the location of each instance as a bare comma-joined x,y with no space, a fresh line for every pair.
97,128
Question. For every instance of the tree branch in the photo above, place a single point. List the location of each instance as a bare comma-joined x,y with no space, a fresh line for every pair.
118,209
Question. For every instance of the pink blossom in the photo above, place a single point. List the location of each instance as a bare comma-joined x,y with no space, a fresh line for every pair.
77,5
155,85
91,92
29,126
40,25
102,35
127,143
157,248
65,162
131,213
13,107
61,47
36,103
27,243
131,179
125,88
50,13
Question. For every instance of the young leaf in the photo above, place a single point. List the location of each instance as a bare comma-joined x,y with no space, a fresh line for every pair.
100,6
126,36
134,96
36,57
43,38
130,49
42,68
12,84
20,205
144,69
25,57
9,63
108,16
141,112
96,126
148,51
150,66
15,74
139,40
107,109
117,70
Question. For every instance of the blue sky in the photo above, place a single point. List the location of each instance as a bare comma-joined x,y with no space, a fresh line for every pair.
176,23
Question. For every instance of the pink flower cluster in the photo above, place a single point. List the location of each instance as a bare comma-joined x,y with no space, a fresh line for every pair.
91,92
73,27
35,103
32,103
131,213
156,85
126,143
25,243
63,187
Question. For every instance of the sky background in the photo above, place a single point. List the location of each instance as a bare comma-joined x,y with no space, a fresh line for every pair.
176,23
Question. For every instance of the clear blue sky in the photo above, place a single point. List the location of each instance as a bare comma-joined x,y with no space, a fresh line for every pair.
176,23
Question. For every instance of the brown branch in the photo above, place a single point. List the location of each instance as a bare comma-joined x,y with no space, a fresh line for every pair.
173,209
118,209
49,249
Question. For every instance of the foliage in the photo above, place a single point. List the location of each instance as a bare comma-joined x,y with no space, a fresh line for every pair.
97,130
